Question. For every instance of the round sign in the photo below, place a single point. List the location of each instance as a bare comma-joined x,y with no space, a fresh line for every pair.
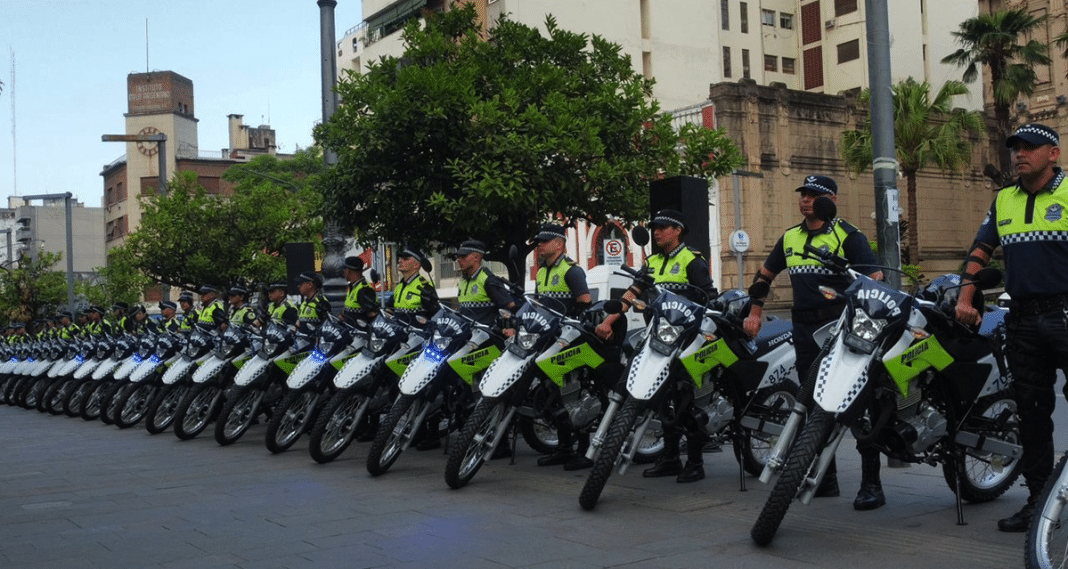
614,247
740,241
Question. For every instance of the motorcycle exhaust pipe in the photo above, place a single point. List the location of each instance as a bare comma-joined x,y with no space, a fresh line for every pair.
777,458
615,400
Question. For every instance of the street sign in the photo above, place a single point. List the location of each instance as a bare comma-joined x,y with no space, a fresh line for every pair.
613,251
740,241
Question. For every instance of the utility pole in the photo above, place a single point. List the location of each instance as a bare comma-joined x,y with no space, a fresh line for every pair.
334,285
884,166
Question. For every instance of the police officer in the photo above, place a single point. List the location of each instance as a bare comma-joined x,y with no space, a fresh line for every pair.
189,316
560,279
169,322
212,313
481,293
1028,220
361,301
95,324
240,312
314,307
136,320
675,268
118,322
280,308
68,329
415,294
812,310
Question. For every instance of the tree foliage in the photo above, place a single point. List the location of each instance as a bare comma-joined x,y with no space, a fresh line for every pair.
190,237
486,137
119,281
32,289
927,132
993,42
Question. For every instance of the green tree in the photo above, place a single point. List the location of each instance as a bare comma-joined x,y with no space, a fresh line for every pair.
927,132
119,281
190,237
993,41
486,137
32,289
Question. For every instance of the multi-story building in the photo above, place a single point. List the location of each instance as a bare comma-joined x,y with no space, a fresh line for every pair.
44,228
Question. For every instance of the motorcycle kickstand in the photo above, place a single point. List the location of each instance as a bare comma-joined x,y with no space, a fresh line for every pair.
959,469
741,465
512,439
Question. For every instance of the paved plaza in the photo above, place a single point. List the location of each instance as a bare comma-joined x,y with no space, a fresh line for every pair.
87,495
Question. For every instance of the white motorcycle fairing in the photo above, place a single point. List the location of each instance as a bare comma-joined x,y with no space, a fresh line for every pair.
836,396
503,373
128,367
307,369
209,369
105,368
179,368
357,368
254,368
86,369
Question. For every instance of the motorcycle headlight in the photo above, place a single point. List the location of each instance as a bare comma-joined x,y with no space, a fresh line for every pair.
441,343
326,347
667,333
865,327
269,346
377,344
526,340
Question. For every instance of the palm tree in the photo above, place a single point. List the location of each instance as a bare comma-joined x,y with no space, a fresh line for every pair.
993,40
926,132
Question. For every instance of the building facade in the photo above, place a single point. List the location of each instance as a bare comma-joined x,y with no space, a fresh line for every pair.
44,228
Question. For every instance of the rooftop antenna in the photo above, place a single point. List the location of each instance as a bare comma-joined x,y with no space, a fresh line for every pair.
14,155
146,45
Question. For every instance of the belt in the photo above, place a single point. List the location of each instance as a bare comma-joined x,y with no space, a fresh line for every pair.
815,315
1039,304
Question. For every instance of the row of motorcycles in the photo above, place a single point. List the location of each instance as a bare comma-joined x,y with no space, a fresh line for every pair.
897,371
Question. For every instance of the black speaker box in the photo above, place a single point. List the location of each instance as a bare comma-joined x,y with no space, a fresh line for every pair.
300,257
690,196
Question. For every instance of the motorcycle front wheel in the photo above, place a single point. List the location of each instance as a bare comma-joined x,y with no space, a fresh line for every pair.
93,402
196,410
986,475
1047,538
618,432
72,403
336,426
108,402
238,414
802,456
164,408
394,433
474,446
52,400
290,419
769,405
133,405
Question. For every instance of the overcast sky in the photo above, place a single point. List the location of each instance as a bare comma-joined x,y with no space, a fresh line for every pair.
257,58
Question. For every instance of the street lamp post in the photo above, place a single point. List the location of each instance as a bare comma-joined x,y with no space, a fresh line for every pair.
160,139
66,197
333,242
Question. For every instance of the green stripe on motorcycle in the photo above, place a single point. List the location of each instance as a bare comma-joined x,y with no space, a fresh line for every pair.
400,364
560,364
289,364
341,362
707,358
920,356
469,365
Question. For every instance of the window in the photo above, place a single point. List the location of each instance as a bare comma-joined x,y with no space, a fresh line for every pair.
744,8
771,63
813,67
767,17
848,51
811,25
745,63
786,21
843,7
724,14
788,65
726,61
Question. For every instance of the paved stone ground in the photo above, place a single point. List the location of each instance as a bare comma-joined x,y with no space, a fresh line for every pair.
85,495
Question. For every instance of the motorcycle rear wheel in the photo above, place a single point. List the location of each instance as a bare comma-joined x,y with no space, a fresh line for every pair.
474,446
336,426
133,405
770,404
238,414
987,476
394,433
1047,538
196,410
290,419
802,457
621,428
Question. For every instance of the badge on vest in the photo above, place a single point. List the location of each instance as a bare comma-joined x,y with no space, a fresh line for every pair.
1054,212
1004,222
474,288
556,280
675,269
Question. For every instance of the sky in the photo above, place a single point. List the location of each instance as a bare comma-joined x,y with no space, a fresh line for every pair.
257,58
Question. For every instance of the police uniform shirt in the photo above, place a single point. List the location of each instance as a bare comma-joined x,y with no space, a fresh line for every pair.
1032,230
412,297
212,315
312,312
284,313
360,299
564,281
679,267
482,295
807,275
242,315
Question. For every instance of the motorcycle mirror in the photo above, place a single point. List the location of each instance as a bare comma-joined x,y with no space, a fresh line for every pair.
375,277
824,208
613,307
513,252
640,235
426,265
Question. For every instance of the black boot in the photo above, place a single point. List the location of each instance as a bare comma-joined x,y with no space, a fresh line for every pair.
694,469
578,460
828,487
1020,521
668,464
871,489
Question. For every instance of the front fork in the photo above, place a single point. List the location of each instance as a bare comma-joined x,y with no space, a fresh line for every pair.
811,483
626,458
779,452
615,400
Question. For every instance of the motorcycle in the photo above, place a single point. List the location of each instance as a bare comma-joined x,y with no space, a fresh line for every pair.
902,374
455,346
101,346
210,381
133,403
308,384
163,409
1047,537
259,382
95,402
696,368
363,386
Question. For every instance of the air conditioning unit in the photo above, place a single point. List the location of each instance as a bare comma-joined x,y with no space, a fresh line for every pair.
829,23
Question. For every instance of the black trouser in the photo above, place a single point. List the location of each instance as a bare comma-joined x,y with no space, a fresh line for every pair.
1037,347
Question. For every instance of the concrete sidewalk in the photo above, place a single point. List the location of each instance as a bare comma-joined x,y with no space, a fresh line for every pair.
86,495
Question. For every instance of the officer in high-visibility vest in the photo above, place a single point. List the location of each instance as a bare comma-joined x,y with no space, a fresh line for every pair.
189,315
168,309
240,312
361,302
414,294
1029,221
481,293
314,307
280,308
680,269
812,310
212,313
